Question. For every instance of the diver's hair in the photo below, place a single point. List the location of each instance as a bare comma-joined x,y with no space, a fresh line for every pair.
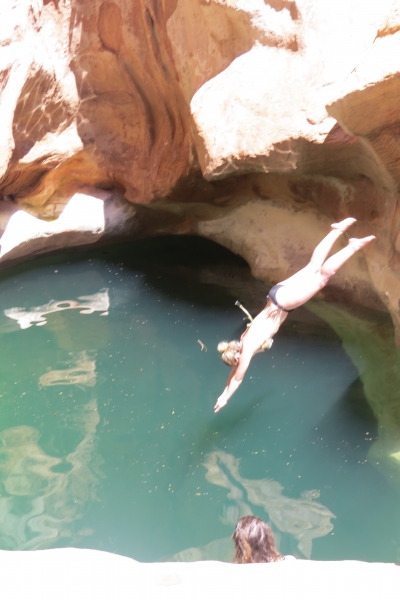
228,351
254,542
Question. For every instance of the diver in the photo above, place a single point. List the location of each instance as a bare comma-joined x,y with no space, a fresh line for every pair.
282,299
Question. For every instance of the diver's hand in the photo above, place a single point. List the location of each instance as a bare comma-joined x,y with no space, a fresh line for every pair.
221,402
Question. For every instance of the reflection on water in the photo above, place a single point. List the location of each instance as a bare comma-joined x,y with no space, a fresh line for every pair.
81,371
43,495
99,302
221,549
304,519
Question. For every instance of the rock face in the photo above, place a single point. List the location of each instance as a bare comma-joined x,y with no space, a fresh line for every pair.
255,123
164,102
89,94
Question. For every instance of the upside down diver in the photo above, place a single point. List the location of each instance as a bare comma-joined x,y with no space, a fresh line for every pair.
282,299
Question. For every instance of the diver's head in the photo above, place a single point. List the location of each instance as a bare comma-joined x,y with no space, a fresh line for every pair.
230,352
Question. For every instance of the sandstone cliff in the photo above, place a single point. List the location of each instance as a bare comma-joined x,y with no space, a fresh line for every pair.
237,119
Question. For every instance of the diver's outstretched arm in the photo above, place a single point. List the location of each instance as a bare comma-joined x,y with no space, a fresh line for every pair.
234,380
222,400
226,394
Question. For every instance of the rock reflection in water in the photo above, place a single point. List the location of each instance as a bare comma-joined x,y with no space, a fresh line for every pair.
302,518
44,495
99,302
81,372
221,549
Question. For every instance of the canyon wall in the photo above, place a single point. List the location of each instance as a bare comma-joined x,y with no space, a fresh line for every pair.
254,123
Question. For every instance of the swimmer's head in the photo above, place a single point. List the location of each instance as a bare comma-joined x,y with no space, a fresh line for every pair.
230,352
254,542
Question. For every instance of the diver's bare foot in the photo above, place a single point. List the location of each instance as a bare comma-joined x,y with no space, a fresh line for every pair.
359,243
343,225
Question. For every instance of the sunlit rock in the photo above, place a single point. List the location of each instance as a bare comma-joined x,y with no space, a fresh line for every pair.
81,574
82,221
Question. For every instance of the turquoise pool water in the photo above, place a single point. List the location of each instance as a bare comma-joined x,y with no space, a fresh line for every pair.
108,438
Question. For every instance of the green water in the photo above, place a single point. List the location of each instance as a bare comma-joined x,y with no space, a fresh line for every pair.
107,431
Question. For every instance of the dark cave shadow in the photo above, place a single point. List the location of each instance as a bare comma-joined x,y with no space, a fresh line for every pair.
202,272
180,267
185,267
191,269
351,418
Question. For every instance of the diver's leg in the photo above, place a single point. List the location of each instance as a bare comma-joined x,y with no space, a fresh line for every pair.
334,263
299,288
302,286
324,247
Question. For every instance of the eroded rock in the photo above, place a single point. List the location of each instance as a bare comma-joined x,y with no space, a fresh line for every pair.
89,95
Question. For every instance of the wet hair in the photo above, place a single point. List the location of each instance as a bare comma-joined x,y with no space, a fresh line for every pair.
254,542
228,351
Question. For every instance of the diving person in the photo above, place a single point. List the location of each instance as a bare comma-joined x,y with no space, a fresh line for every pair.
282,299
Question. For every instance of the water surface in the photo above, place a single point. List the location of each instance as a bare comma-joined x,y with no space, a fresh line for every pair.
107,431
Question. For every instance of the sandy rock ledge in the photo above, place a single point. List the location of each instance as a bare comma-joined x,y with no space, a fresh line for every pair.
90,574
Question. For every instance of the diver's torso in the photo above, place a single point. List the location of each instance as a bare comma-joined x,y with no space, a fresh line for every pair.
264,326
